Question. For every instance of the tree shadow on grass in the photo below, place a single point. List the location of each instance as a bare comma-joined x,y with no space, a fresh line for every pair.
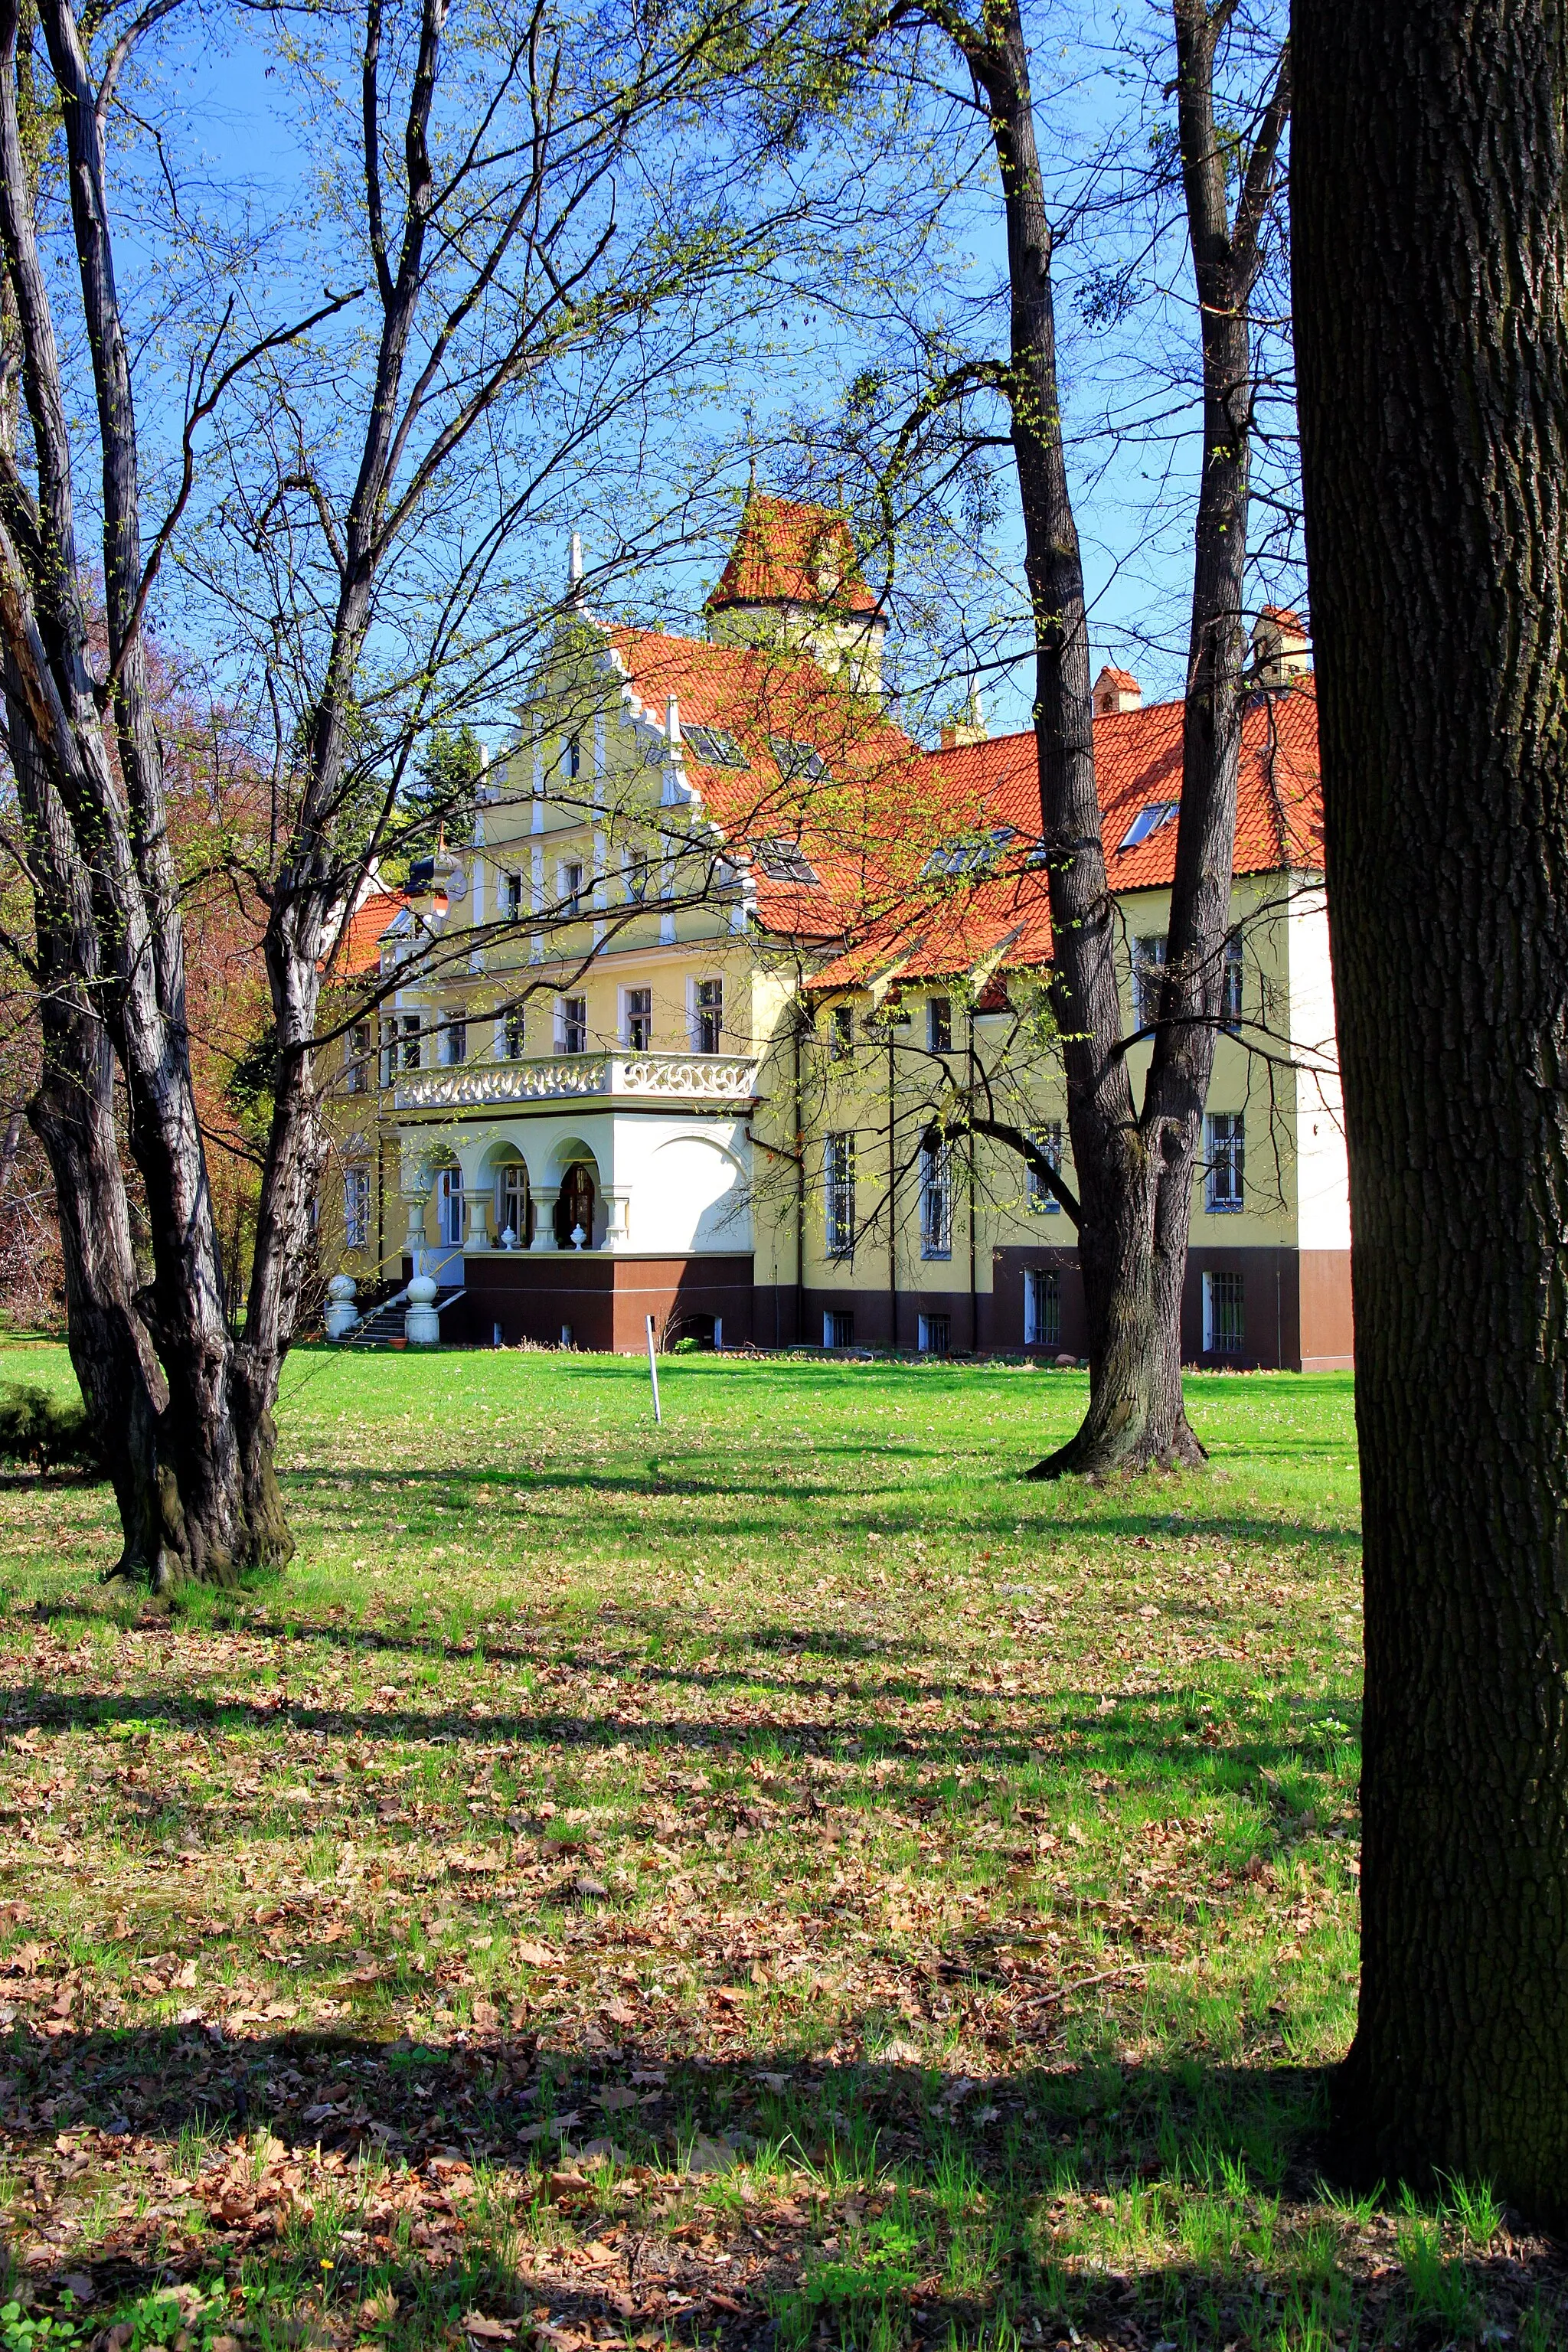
756,2194
1161,1729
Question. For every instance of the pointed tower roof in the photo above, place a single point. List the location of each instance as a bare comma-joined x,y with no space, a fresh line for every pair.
789,553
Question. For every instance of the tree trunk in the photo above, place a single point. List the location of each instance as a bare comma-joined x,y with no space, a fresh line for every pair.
72,1113
1135,1166
1431,304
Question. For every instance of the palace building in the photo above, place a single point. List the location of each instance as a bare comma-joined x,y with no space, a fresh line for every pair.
682,1019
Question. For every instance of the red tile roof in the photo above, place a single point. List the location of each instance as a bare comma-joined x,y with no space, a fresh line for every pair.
867,825
788,552
360,947
1110,676
1137,764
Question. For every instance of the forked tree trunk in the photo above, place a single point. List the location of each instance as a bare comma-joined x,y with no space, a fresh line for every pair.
1134,1163
1431,308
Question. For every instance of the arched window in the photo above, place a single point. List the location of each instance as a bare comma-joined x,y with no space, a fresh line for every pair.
575,1206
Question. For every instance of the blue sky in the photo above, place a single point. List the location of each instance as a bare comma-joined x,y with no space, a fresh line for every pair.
1133,492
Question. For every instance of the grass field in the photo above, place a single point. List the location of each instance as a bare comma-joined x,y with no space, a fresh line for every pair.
776,1879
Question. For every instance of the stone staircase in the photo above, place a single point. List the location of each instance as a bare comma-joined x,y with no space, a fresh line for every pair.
384,1323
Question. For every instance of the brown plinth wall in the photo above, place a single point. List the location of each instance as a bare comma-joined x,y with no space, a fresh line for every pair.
1297,1309
604,1299
1298,1305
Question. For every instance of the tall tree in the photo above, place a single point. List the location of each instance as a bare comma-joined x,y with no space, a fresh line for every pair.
1133,1159
1431,266
534,220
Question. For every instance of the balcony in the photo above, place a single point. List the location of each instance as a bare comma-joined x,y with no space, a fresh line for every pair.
729,1079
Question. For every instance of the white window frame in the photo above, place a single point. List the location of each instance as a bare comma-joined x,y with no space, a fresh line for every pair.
1148,975
1232,986
838,1192
454,1040
508,1185
933,1044
565,1022
1224,1136
698,1012
356,1207
356,1063
628,1017
1225,1313
449,1207
569,894
1047,1139
512,892
936,1199
410,1040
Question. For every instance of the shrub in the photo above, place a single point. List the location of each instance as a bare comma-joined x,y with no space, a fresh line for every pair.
40,1431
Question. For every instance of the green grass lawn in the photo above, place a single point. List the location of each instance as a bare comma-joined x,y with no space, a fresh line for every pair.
777,1878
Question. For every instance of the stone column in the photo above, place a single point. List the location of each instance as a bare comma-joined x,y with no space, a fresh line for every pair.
478,1205
617,1213
545,1199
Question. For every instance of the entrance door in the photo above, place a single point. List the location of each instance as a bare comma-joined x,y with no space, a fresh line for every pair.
575,1206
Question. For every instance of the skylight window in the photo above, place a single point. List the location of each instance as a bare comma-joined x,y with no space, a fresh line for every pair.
784,861
967,856
1149,820
715,747
797,760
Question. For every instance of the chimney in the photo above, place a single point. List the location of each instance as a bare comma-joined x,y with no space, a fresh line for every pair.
957,734
672,722
1114,690
1281,648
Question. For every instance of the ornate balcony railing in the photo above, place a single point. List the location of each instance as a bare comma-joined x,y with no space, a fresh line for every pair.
716,1079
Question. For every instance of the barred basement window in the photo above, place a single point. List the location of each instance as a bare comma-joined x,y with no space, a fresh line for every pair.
1226,1154
1042,1308
1043,1202
838,1328
356,1208
1225,1315
935,1333
839,1194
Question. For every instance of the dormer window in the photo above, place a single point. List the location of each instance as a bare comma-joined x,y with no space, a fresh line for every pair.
797,762
1148,821
714,746
784,861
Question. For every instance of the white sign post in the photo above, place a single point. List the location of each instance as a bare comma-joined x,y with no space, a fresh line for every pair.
653,1372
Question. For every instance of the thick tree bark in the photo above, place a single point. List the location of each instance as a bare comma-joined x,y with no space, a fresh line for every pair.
1134,1161
1431,305
72,1113
110,828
